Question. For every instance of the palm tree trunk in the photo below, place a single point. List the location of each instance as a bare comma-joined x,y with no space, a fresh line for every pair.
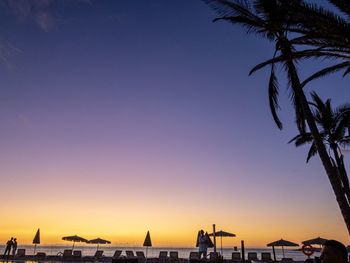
286,50
341,171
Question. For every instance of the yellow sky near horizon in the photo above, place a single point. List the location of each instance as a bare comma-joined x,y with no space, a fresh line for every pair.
169,226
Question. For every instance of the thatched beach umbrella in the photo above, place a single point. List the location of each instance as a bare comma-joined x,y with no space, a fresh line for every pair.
36,239
222,234
282,243
315,241
98,241
148,242
75,239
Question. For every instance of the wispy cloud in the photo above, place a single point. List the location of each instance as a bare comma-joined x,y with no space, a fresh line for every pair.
45,21
37,11
7,52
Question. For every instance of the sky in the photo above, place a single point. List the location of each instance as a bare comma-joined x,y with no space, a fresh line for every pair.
119,117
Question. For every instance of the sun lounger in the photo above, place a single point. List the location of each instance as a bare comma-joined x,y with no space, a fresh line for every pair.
236,256
266,256
129,254
213,255
194,255
140,254
67,254
163,254
77,254
117,254
252,256
21,252
98,254
174,255
40,255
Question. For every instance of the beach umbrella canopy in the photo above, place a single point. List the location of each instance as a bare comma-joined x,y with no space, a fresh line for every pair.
74,239
148,242
315,241
36,239
222,234
98,241
210,243
282,243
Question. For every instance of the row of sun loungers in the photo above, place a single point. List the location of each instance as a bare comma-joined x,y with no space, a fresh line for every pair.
76,255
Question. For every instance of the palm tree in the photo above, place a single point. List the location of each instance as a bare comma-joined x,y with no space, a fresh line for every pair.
325,31
272,19
334,127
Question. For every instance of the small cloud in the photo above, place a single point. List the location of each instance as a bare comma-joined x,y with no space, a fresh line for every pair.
7,52
45,21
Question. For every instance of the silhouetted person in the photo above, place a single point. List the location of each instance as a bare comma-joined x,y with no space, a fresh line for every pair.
202,244
334,252
9,245
14,247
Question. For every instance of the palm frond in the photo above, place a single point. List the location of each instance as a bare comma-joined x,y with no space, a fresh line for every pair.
312,152
273,97
326,71
342,5
304,54
301,139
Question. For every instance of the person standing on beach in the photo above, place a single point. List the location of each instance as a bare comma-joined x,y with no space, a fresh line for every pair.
14,247
8,247
202,244
334,252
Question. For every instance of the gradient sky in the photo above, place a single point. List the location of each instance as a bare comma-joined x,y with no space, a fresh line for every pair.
119,117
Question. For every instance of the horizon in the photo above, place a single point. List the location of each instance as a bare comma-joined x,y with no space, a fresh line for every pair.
120,117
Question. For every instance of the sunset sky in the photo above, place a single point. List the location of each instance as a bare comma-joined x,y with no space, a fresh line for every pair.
119,117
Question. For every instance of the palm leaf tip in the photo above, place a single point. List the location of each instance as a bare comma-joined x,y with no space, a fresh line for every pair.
273,97
312,152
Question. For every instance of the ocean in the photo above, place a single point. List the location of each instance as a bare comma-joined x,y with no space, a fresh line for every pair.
88,250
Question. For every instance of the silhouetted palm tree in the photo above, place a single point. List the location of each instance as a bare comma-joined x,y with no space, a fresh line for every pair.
325,31
272,19
334,127
333,124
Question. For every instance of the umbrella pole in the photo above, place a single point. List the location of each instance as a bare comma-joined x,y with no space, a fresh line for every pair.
34,249
221,244
283,251
214,235
274,253
73,245
146,252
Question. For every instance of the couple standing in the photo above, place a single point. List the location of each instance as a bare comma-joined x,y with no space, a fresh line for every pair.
203,243
11,244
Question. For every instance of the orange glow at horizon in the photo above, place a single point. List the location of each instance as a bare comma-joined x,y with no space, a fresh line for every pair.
127,224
